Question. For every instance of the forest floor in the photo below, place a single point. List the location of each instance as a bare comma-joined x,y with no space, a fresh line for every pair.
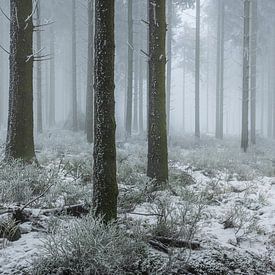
220,201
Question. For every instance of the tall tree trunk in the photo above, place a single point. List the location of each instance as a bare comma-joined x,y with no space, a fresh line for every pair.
183,88
74,85
245,97
129,102
140,91
197,72
20,143
157,133
136,88
220,71
52,82
253,69
39,122
90,75
105,190
169,62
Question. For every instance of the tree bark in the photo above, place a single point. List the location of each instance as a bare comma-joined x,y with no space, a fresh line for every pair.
157,133
129,101
245,97
169,62
20,143
39,122
197,72
105,190
90,75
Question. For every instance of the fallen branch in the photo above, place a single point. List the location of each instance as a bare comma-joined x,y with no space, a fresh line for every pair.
74,210
177,243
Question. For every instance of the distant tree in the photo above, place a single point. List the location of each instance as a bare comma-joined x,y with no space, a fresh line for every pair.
20,143
51,107
39,120
74,84
129,98
105,189
90,75
157,133
245,90
220,70
197,71
253,69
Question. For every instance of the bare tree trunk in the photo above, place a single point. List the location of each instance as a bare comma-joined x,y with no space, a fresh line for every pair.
90,75
169,62
136,88
52,82
183,88
74,85
20,143
141,74
220,71
245,99
157,133
39,121
129,102
253,69
104,172
197,72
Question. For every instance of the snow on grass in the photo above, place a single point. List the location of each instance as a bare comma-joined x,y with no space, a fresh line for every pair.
238,192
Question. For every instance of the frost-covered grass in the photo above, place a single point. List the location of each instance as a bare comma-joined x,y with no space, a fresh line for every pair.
216,194
213,155
88,246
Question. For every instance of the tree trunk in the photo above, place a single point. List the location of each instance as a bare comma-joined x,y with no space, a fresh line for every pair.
20,143
220,71
74,85
253,69
52,82
104,172
183,88
136,88
169,62
90,76
245,97
157,133
39,122
129,102
197,72
141,74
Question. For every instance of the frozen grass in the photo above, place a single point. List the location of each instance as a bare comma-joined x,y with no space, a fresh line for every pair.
213,155
88,246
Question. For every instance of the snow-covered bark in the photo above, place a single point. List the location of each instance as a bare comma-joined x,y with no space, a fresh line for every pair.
20,143
104,172
90,75
157,132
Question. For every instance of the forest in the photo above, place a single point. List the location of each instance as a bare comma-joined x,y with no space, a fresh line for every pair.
137,137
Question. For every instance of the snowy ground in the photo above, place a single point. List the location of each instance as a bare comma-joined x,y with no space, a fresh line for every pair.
238,191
